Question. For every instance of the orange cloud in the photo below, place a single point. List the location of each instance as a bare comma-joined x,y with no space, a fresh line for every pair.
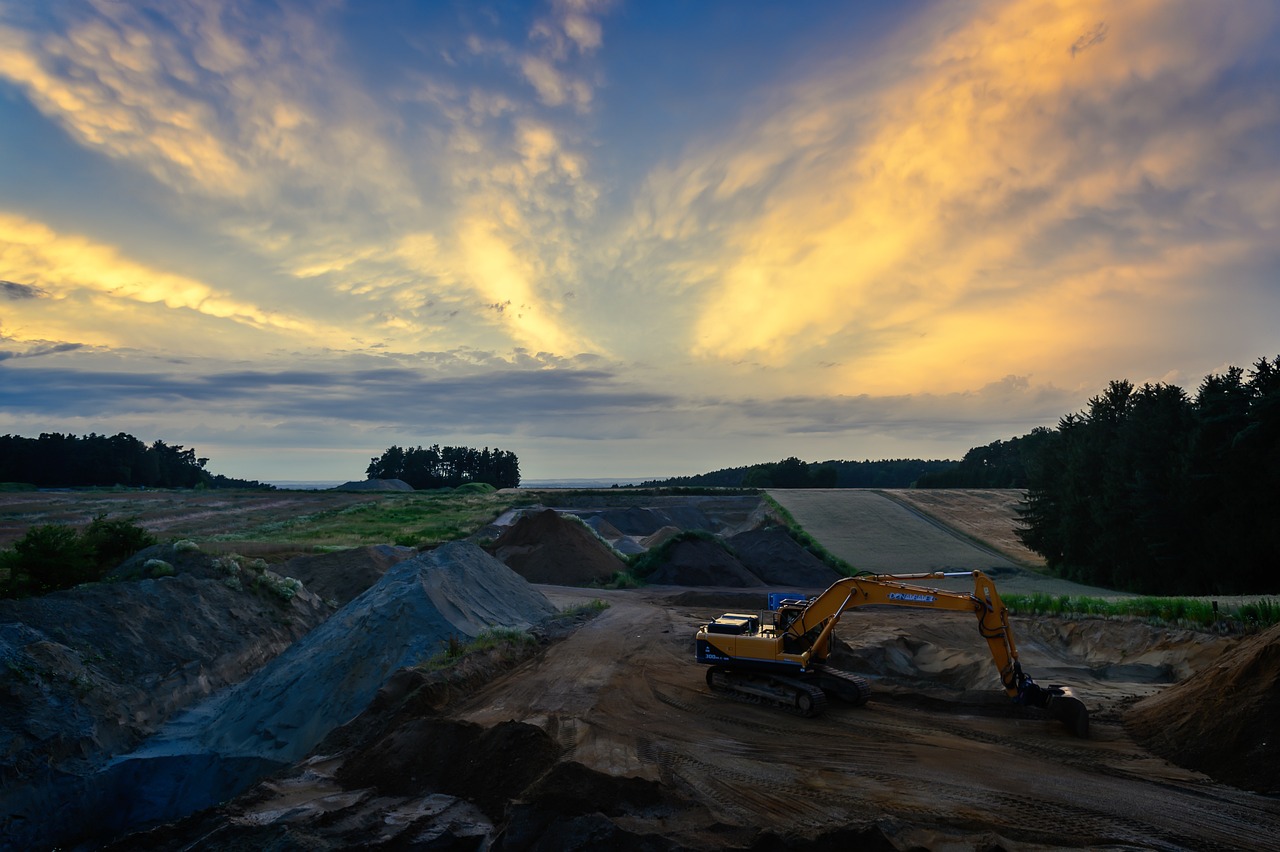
96,289
909,215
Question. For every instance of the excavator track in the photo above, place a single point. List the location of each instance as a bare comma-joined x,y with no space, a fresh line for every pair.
787,693
845,685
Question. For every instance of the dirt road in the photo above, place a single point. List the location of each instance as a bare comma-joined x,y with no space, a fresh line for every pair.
936,763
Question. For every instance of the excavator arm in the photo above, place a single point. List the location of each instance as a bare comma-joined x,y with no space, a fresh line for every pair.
820,617
800,640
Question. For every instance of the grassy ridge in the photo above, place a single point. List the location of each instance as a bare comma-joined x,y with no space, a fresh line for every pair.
1197,613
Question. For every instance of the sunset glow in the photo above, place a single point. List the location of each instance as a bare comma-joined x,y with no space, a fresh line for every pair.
622,238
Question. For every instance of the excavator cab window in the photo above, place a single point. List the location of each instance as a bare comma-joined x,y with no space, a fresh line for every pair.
787,615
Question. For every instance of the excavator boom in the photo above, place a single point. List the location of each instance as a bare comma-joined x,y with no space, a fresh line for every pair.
780,656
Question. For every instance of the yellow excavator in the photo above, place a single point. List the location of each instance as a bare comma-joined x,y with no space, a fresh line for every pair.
779,657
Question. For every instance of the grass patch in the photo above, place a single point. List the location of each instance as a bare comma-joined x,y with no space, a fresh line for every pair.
1182,612
623,580
807,541
594,607
413,519
506,640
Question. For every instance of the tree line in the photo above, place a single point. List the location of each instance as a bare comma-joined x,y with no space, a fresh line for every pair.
54,460
446,467
1000,464
794,473
1152,490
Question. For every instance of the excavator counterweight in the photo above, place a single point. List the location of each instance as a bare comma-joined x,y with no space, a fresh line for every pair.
779,657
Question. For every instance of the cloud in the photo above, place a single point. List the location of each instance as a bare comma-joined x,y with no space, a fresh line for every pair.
76,273
308,166
37,350
1097,35
14,291
978,199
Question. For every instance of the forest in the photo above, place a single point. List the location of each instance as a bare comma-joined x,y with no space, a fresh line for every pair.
54,460
1152,490
447,467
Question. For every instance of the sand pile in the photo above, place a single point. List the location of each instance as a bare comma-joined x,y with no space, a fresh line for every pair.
276,716
778,560
701,562
641,521
660,537
343,575
753,559
547,548
374,485
633,520
1223,721
330,675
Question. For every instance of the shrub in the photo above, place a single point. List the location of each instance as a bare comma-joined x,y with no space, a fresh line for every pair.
48,557
282,587
112,542
158,568
56,556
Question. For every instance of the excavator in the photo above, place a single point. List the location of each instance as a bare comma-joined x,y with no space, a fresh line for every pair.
779,657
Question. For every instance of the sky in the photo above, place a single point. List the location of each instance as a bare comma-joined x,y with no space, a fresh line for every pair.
624,239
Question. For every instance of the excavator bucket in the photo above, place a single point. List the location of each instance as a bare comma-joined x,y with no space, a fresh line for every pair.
1069,710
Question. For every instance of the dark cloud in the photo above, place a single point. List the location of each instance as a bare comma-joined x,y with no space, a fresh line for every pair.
516,399
37,351
1097,35
15,291
589,405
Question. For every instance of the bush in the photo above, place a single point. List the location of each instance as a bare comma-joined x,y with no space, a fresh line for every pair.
56,556
48,557
112,542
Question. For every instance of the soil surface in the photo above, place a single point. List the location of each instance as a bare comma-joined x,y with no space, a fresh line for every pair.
167,514
983,514
603,733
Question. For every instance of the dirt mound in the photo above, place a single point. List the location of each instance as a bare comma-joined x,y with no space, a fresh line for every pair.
1223,721
454,757
700,562
276,716
548,548
92,670
634,520
374,485
778,560
343,575
661,537
574,807
603,528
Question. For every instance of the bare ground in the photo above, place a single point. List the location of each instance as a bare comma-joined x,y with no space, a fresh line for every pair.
938,759
167,513
610,737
